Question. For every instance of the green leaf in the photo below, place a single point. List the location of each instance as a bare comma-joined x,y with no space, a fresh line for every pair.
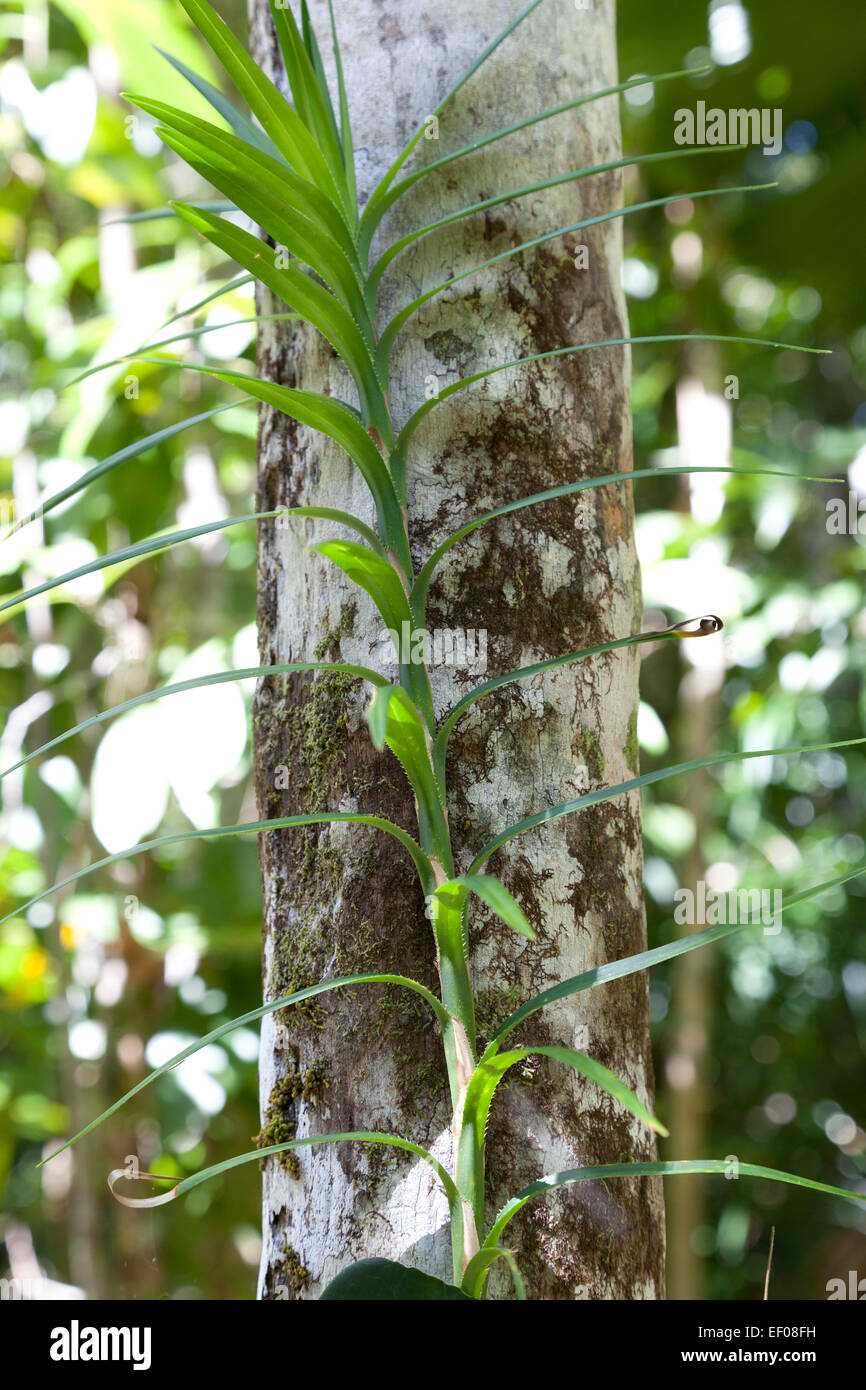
440,744
177,338
346,141
445,910
374,574
300,293
310,103
389,337
382,198
417,855
296,194
646,1170
478,1268
130,552
490,1071
381,1280
379,578
494,895
216,678
479,1097
348,519
405,736
578,803
285,1001
131,451
193,309
312,46
351,1136
332,418
242,126
525,191
282,124
414,420
418,597
644,960
295,234
157,214
377,716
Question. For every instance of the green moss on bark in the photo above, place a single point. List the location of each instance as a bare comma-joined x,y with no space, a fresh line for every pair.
632,747
280,1123
308,738
292,1270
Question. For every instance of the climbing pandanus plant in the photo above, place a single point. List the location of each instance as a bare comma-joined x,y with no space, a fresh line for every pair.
289,167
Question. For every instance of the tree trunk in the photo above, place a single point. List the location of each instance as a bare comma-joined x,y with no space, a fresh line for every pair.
540,582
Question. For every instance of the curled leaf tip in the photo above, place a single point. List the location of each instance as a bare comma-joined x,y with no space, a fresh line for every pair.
158,1201
704,626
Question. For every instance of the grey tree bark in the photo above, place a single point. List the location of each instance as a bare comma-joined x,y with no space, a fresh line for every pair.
540,582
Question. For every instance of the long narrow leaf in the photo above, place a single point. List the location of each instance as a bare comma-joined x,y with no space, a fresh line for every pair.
130,552
346,142
242,126
235,284
353,522
332,418
300,293
400,319
440,744
384,196
309,100
158,214
311,44
198,683
373,573
379,578
405,735
285,1001
579,803
648,1170
351,1136
415,419
417,855
526,190
645,960
493,894
491,1070
479,1098
131,451
418,597
296,235
285,128
296,193
188,333
478,1268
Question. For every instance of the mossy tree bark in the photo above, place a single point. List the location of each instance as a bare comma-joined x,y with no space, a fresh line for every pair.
540,582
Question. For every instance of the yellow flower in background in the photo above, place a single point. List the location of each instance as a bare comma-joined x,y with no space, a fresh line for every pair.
34,965
70,936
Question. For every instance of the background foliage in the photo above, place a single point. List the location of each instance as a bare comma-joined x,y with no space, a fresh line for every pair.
161,950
